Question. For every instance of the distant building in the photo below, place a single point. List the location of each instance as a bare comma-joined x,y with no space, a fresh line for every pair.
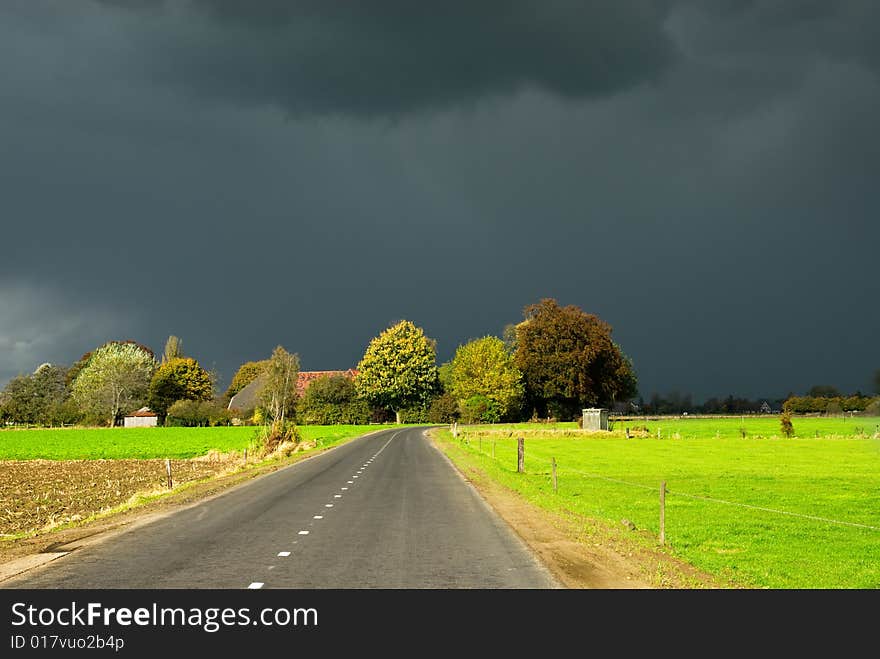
765,408
143,418
595,418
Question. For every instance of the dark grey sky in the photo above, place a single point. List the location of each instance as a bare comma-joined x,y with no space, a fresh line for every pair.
702,175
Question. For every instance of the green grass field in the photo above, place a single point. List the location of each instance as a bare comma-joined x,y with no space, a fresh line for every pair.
761,512
145,443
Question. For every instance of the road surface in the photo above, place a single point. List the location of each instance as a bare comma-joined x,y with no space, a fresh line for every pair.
386,510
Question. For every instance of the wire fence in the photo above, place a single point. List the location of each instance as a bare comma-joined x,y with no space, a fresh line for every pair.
475,445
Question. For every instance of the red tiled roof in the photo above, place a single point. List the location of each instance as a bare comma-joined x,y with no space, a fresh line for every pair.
144,411
305,377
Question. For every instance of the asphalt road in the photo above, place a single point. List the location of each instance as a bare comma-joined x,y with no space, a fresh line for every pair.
387,510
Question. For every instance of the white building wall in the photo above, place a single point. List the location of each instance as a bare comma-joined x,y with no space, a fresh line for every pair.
140,421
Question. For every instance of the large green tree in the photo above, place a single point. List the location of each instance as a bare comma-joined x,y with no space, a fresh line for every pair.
114,381
179,378
569,360
483,369
399,369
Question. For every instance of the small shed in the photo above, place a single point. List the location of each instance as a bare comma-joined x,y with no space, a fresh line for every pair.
143,418
595,418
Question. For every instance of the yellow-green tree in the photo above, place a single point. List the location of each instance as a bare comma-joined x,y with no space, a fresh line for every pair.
180,378
114,380
483,369
399,368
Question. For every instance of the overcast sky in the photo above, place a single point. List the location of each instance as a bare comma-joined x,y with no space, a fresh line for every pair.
703,175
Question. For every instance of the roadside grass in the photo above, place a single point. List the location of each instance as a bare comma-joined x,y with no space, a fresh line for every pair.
760,512
148,443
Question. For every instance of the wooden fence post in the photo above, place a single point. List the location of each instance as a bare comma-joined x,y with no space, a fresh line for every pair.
168,471
520,454
663,513
245,457
555,484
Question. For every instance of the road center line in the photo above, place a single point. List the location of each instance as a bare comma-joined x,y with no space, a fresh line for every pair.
256,585
284,553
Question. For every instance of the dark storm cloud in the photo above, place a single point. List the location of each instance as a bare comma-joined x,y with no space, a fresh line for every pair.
38,324
701,175
393,58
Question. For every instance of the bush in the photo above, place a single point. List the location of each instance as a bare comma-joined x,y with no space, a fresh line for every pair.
269,439
480,409
332,400
191,413
443,409
417,414
380,414
785,422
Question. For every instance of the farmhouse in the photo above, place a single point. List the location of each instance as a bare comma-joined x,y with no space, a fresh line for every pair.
247,398
143,418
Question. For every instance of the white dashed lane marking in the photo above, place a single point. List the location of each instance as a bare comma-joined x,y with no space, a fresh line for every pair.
256,585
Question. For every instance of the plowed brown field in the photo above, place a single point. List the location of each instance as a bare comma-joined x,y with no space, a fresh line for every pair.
37,495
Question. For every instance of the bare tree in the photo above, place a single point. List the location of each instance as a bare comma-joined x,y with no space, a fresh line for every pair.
278,394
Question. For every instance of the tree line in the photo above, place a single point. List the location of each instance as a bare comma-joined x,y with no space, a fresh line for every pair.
555,361
820,399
